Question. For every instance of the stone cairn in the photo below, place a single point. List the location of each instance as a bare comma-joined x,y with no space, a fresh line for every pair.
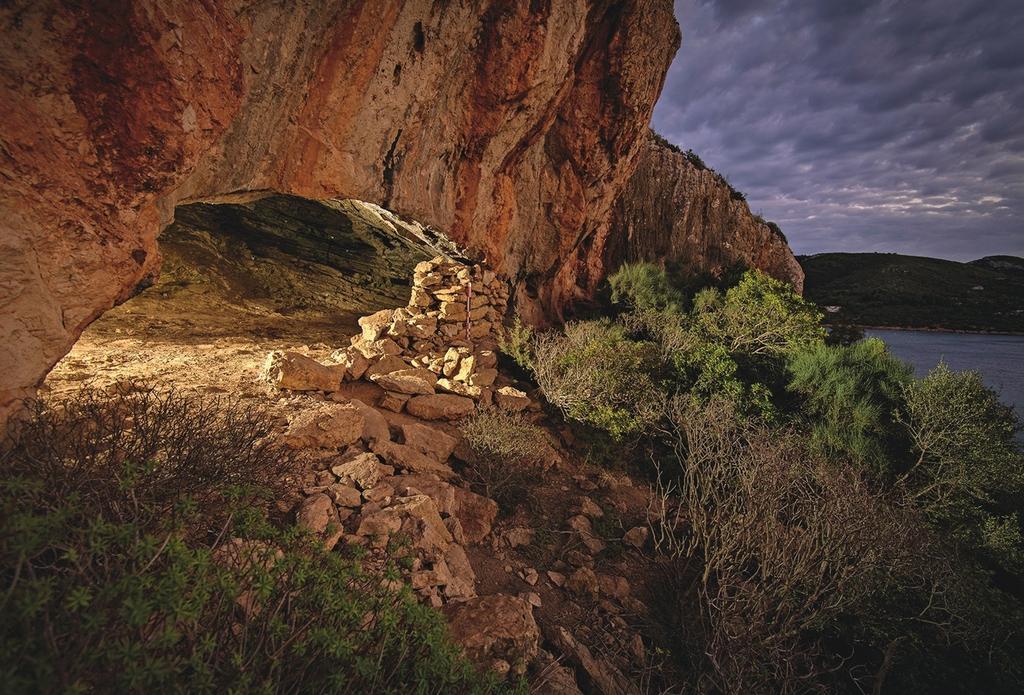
435,358
374,475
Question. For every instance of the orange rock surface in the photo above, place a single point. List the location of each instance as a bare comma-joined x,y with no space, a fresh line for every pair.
508,126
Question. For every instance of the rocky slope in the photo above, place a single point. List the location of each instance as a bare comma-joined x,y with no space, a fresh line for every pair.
673,209
509,126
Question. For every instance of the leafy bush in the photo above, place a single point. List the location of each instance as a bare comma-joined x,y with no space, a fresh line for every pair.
518,343
694,159
660,139
596,374
806,578
616,375
135,558
733,193
506,448
697,364
851,395
765,316
644,287
968,471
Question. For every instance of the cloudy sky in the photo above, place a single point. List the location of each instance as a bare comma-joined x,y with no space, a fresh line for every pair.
860,125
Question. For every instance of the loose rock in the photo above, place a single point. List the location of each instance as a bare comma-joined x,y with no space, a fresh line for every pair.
365,470
295,371
325,425
496,627
440,407
318,515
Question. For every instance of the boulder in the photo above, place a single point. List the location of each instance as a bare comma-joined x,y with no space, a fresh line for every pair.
585,530
458,388
461,580
518,535
365,470
596,675
466,366
344,495
482,377
409,459
420,298
421,326
375,326
428,484
429,441
377,348
450,364
440,407
455,528
480,329
613,585
394,401
318,515
553,677
410,381
417,518
383,364
324,425
375,426
476,513
511,398
453,310
588,507
495,628
294,371
379,493
355,362
636,537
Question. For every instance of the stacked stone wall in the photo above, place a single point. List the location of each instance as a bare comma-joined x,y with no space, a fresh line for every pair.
435,357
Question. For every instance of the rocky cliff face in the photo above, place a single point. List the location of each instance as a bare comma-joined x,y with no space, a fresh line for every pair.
675,210
510,127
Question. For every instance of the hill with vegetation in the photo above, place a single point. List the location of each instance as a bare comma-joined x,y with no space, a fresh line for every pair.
888,289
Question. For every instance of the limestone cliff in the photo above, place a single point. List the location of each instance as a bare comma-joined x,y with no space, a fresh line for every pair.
509,127
673,209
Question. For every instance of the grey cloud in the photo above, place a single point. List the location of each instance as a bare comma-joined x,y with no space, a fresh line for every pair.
874,124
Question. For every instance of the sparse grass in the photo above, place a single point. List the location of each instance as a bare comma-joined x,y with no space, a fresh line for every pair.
506,452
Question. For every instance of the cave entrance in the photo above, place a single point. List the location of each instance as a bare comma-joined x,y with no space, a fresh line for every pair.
245,275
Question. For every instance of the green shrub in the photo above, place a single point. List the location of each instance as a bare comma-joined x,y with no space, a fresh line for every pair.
644,287
506,450
694,159
120,573
518,343
787,573
765,316
660,139
851,395
596,374
968,470
706,371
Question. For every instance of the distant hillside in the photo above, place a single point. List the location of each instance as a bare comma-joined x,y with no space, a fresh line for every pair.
887,289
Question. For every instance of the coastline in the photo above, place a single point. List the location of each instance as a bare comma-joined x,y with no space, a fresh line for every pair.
962,331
